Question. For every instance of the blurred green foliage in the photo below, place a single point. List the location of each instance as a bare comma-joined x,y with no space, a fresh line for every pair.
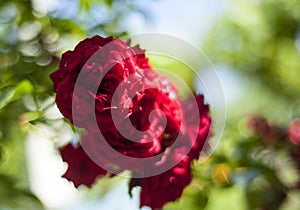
258,41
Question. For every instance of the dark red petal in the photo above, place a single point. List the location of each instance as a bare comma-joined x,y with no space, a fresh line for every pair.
163,188
81,169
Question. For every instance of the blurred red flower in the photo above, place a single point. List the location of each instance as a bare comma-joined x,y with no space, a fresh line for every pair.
294,131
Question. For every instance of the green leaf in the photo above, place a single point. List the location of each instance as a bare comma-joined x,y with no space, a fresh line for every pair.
12,197
108,2
227,198
23,88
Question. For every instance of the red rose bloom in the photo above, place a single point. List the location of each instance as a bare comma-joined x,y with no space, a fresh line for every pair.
122,64
81,169
136,111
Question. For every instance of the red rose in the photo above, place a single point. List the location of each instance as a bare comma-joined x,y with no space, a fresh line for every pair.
294,131
137,112
81,169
